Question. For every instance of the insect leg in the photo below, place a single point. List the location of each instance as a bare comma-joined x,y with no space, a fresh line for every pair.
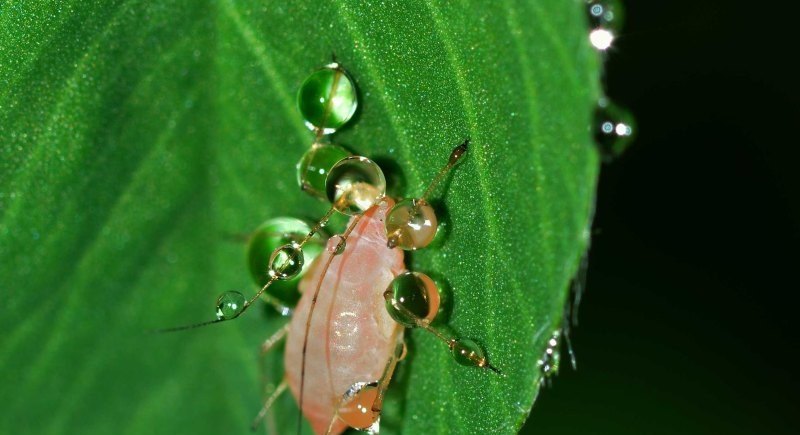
360,407
268,403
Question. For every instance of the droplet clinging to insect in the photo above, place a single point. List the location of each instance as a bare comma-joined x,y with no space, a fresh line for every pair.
327,99
412,297
230,304
314,166
613,129
356,409
355,184
336,244
411,224
467,353
286,262
271,235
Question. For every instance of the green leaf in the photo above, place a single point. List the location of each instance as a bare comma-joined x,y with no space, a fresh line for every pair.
137,136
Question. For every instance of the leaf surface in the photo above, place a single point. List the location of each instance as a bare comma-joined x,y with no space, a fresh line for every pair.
137,136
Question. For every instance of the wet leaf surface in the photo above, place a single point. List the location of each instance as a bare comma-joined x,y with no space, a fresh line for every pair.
137,137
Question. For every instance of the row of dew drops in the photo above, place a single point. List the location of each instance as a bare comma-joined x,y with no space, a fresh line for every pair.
613,131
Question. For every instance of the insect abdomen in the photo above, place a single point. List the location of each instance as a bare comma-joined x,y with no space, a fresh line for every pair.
349,339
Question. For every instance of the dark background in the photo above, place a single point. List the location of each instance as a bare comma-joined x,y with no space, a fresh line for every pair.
687,325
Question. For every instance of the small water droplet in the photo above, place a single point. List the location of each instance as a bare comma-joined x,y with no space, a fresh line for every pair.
613,129
467,353
336,244
230,304
551,357
286,262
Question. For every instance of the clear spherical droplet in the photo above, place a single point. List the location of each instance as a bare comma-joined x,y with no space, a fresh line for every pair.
268,237
613,129
327,99
355,184
336,244
314,166
411,224
356,408
411,297
608,14
230,304
467,353
286,262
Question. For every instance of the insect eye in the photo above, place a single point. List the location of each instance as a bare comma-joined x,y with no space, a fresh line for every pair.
355,184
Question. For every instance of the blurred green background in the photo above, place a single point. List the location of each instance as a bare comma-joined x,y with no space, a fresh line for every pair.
688,324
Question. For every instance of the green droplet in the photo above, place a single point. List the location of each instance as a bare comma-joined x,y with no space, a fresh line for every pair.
467,353
314,166
355,184
230,304
286,262
271,235
613,129
411,297
327,99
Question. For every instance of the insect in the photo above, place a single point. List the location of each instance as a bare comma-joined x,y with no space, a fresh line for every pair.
345,336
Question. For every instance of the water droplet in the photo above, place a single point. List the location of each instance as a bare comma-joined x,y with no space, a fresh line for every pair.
412,296
286,262
327,99
356,409
355,184
336,244
549,361
467,353
613,129
411,224
607,14
230,304
271,235
314,166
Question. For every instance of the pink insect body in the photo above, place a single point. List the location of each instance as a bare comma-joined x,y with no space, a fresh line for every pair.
350,335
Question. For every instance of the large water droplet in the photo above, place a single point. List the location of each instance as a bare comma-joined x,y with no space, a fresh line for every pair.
411,297
355,184
411,224
314,166
271,235
613,129
357,403
327,99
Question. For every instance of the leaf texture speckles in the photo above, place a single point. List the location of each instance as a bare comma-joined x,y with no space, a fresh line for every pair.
136,137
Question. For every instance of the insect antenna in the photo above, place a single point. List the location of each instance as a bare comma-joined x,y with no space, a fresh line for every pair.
412,223
455,157
286,262
337,250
